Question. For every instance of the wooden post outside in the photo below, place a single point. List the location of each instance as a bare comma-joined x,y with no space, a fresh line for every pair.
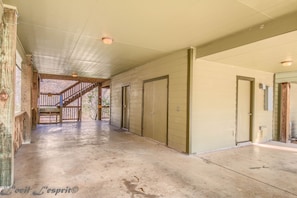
61,108
80,103
35,95
100,102
27,74
285,112
8,35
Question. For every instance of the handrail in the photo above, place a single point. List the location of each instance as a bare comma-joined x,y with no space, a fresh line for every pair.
69,88
48,93
84,88
70,91
79,90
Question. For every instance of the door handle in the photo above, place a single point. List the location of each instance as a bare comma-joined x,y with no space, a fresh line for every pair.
250,114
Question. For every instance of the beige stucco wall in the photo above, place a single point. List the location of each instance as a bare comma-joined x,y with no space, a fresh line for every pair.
213,117
174,65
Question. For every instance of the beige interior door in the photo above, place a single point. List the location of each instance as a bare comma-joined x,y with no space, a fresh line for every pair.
125,106
155,110
244,113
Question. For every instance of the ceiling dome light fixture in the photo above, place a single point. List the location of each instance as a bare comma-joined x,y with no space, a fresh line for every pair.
107,40
74,75
287,63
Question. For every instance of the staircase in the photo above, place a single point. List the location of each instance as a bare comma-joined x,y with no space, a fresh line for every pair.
55,107
77,90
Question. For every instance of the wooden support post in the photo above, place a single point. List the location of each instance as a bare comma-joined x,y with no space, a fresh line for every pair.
80,103
285,112
27,74
100,102
35,95
8,32
61,108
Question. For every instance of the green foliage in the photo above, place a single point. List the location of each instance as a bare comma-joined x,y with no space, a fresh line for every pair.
92,103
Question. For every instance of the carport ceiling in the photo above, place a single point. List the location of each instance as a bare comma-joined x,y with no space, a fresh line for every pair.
64,36
265,55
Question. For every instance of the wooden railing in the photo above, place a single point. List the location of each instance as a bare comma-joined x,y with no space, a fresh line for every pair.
105,113
68,95
71,113
49,115
77,91
48,99
70,91
50,104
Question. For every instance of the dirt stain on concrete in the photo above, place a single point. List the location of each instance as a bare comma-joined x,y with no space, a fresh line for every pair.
132,188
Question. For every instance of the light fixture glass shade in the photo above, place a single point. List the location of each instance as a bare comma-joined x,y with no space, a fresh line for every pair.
74,75
107,40
287,63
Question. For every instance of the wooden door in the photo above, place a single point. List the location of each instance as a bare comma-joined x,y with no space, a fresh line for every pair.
155,99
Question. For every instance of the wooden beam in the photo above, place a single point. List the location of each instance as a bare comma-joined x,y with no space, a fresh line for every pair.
35,95
278,26
106,84
100,102
64,77
285,112
8,35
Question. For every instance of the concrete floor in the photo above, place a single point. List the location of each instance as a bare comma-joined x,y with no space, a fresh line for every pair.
93,159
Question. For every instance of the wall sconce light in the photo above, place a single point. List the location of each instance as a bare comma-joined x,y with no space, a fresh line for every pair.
287,63
107,40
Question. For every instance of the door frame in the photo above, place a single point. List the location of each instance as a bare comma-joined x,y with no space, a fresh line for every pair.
122,106
167,112
252,105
